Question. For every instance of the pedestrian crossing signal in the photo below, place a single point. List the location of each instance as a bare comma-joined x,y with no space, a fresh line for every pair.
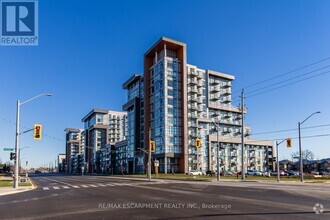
152,146
37,132
198,143
289,142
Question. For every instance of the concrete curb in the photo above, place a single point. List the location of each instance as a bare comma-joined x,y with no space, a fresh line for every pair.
18,190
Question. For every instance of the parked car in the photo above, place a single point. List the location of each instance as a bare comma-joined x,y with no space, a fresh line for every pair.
196,173
227,173
250,172
211,173
257,173
292,173
37,171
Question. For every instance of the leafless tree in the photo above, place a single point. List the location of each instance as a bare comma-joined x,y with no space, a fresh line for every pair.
306,155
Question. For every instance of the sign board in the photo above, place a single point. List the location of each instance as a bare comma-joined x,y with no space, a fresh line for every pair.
23,180
156,163
8,149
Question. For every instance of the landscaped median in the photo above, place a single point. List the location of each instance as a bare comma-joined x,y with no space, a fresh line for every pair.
229,178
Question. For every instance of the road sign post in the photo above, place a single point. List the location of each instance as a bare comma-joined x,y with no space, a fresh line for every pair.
8,149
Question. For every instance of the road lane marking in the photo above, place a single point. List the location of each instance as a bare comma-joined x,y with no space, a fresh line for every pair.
57,181
66,187
55,187
92,185
109,184
101,184
45,188
85,186
75,186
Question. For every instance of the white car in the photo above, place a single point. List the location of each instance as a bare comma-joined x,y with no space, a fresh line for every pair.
195,173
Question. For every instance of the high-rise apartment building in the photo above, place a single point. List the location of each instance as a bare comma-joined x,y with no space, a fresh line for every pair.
178,103
74,150
102,128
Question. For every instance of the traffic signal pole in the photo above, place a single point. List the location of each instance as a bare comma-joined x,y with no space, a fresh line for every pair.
17,145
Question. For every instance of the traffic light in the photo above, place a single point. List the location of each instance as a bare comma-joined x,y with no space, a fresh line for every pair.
289,142
198,143
12,156
37,132
152,146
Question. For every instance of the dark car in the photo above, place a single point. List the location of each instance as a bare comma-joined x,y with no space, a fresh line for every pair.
210,173
37,171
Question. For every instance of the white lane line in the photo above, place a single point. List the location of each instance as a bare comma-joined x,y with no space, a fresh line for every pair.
85,186
75,186
55,187
92,185
66,187
101,184
109,184
116,184
46,188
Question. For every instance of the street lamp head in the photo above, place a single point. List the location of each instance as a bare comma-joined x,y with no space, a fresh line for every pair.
49,94
317,112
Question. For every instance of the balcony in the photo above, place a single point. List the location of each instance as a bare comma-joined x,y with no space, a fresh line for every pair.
215,89
226,100
227,85
214,82
200,75
200,84
193,124
226,91
226,116
192,90
193,107
192,82
192,99
193,73
195,116
252,155
214,97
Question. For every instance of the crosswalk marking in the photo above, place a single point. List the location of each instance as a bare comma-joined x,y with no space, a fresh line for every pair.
95,185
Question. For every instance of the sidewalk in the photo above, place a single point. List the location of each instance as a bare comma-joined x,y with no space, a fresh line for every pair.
7,190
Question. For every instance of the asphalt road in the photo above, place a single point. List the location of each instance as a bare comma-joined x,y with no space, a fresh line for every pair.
103,197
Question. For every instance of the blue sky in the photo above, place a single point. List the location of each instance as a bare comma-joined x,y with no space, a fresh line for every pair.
87,49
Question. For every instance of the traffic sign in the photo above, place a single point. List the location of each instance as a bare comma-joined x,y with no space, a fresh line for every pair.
8,149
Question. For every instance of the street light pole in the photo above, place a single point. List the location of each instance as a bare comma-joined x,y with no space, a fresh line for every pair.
19,103
300,151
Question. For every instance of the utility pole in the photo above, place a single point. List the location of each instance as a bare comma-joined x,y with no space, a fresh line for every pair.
242,137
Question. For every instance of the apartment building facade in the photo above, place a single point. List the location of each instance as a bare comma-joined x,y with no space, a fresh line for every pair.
174,103
102,129
74,150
